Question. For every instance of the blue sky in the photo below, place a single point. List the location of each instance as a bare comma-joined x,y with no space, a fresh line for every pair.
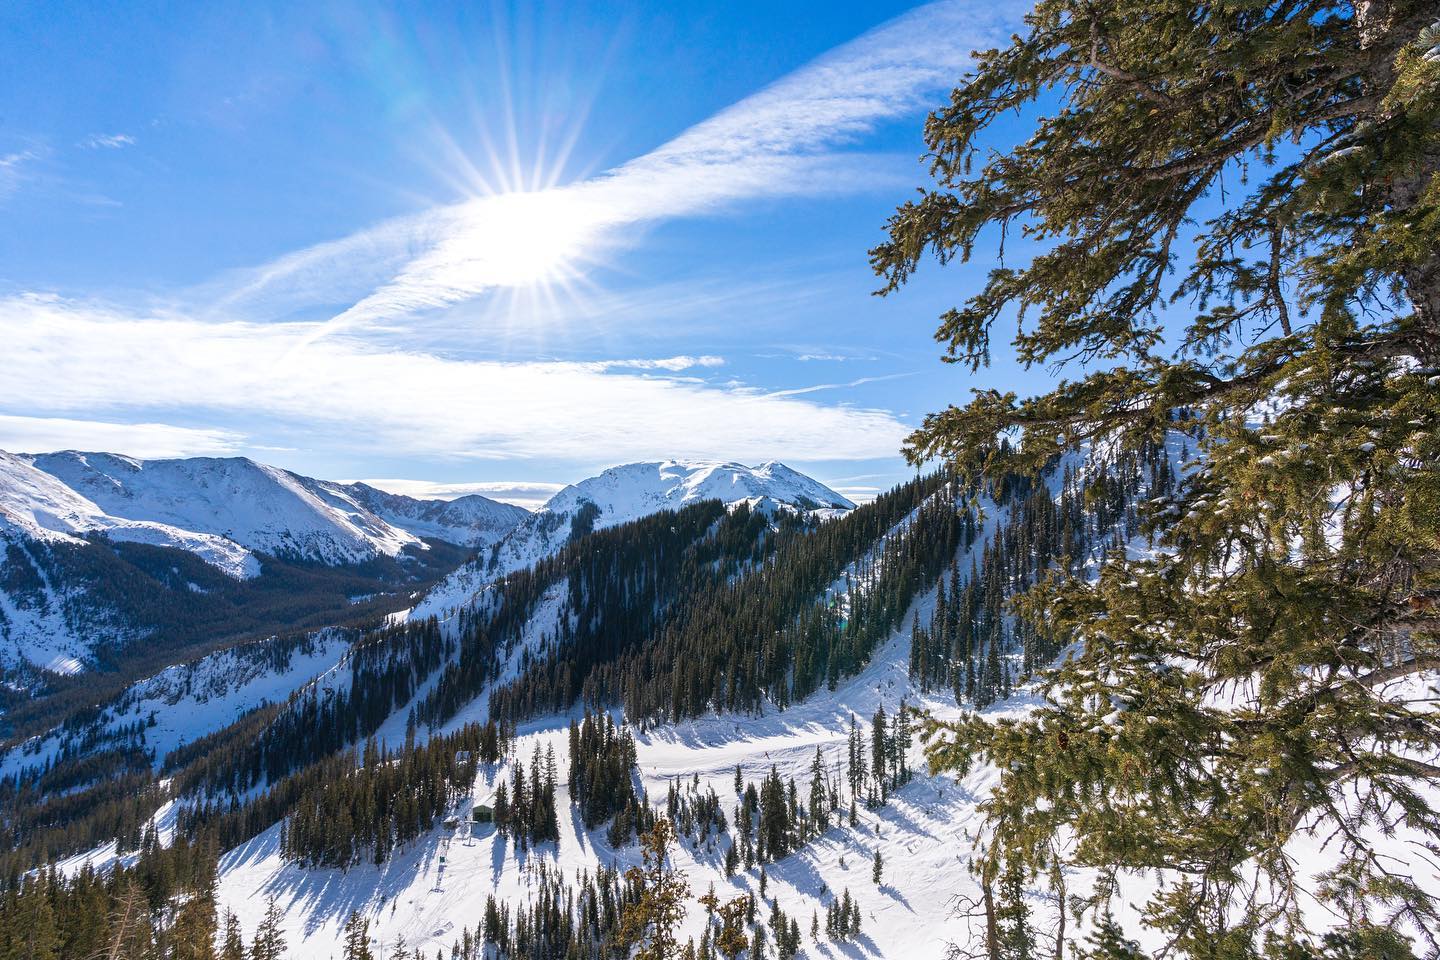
480,246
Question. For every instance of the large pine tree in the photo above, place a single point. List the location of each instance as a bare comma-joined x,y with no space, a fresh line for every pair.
1231,216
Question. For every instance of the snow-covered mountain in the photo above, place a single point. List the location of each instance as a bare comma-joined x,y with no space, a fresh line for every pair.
629,492
256,506
431,890
63,597
635,490
471,520
251,506
35,505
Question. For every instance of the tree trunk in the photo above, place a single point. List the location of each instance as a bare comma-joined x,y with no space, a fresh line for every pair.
1060,929
992,931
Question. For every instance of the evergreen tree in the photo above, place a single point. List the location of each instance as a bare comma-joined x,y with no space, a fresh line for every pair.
192,935
269,942
356,943
32,934
729,923
818,810
1263,179
232,944
879,749
650,922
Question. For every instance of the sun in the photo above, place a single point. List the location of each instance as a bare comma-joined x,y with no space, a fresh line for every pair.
524,239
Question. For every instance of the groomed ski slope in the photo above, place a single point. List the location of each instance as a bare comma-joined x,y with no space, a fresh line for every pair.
923,834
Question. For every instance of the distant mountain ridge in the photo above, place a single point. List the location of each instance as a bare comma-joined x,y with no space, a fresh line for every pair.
87,541
34,505
99,551
628,492
471,520
635,490
253,505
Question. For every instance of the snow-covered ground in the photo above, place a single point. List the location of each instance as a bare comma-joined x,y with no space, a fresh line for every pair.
925,833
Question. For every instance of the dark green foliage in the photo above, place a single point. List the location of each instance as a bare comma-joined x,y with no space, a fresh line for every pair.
774,633
526,810
162,905
842,918
360,806
972,643
117,790
386,665
1231,213
583,523
602,768
676,613
616,583
43,830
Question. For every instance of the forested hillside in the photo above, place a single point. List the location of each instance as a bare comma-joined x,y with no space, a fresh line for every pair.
719,609
144,607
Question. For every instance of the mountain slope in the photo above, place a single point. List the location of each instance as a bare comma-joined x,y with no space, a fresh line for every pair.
901,602
99,551
471,521
412,896
36,505
259,507
629,492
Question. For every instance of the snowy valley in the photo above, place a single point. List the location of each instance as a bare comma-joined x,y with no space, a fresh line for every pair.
873,636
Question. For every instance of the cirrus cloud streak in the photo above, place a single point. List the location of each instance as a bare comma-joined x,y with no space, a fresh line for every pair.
68,358
786,140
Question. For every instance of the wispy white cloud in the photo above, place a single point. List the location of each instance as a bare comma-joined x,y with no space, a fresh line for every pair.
107,141
360,381
20,434
15,169
829,357
856,494
66,358
530,494
858,382
671,364
788,139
